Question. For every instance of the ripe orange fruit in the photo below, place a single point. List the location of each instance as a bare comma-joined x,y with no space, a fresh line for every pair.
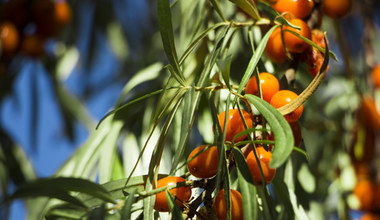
9,38
369,216
375,76
293,43
365,192
337,8
236,205
274,49
269,86
284,97
181,194
62,13
299,8
264,157
50,17
205,165
32,45
235,124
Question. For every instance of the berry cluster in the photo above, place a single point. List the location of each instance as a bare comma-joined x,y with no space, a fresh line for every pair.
26,25
284,44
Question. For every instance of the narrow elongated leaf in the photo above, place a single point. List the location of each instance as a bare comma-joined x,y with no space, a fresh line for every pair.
216,5
197,40
225,66
25,191
126,210
186,124
166,30
61,185
149,73
122,109
174,209
108,152
255,59
249,7
284,141
247,188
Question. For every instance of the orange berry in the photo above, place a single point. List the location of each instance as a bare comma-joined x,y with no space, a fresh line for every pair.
9,38
181,194
50,17
235,124
293,43
375,76
269,86
274,49
299,8
33,45
264,158
62,13
337,8
284,97
236,205
369,216
205,165
365,192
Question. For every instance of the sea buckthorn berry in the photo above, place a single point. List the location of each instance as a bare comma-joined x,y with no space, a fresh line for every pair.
299,8
205,165
375,75
369,216
337,8
365,192
9,38
274,49
293,43
220,208
284,97
181,194
235,124
62,13
50,17
269,86
33,45
264,158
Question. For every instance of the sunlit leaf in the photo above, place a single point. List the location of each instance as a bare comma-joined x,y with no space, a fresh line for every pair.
247,187
283,134
174,208
166,30
249,7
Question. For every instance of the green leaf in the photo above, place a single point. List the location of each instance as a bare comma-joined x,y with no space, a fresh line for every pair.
254,60
216,5
62,185
108,151
193,44
30,191
247,187
186,124
284,141
249,7
126,210
174,209
149,73
273,14
66,211
167,37
225,66
122,110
